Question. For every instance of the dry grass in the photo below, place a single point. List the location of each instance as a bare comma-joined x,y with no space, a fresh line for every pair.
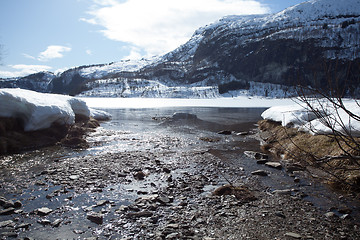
318,151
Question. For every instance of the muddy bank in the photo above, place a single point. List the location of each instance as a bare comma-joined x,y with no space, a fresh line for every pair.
167,184
13,138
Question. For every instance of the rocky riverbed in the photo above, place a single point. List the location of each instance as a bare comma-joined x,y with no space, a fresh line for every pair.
164,179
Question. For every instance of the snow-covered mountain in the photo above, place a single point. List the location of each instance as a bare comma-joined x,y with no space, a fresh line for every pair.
37,82
309,44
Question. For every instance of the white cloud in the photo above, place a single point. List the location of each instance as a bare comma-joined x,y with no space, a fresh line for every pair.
53,51
159,26
28,56
135,53
21,70
88,52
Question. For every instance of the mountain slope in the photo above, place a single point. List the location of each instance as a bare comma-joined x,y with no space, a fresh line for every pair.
286,48
316,43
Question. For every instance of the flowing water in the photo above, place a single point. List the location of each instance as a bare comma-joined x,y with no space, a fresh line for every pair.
154,131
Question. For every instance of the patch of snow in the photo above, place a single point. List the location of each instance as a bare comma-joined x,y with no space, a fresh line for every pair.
40,110
100,115
298,115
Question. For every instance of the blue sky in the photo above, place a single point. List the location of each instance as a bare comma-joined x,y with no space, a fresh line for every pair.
54,35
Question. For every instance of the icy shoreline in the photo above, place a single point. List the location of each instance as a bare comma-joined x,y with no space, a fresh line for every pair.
40,110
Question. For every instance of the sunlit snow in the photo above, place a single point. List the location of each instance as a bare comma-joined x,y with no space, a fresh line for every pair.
298,115
40,110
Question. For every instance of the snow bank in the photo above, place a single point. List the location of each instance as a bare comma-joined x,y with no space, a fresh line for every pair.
301,117
40,110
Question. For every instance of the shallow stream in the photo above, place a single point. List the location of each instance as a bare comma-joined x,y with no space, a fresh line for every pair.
149,132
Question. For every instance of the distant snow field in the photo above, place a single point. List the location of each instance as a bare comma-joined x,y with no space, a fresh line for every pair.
237,102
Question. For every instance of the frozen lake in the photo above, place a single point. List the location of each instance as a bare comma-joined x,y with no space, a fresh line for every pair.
238,102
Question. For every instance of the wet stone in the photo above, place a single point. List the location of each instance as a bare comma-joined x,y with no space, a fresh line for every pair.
56,223
293,235
94,217
2,201
225,132
17,204
330,215
139,175
276,165
44,222
166,170
163,199
345,216
7,211
6,223
78,231
8,204
102,203
24,225
74,177
44,211
259,173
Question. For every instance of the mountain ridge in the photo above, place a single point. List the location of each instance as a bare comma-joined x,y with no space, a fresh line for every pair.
256,54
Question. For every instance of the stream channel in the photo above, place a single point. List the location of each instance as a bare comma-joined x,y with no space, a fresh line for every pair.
165,149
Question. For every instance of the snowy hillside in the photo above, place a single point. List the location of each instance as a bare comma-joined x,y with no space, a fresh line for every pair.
97,72
315,43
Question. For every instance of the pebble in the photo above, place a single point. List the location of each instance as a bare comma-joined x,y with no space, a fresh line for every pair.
102,203
276,165
293,235
6,223
56,223
17,204
345,216
74,177
24,225
97,218
8,204
44,222
44,211
330,214
296,179
139,175
7,211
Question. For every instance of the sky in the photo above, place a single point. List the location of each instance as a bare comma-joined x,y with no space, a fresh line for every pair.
54,35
